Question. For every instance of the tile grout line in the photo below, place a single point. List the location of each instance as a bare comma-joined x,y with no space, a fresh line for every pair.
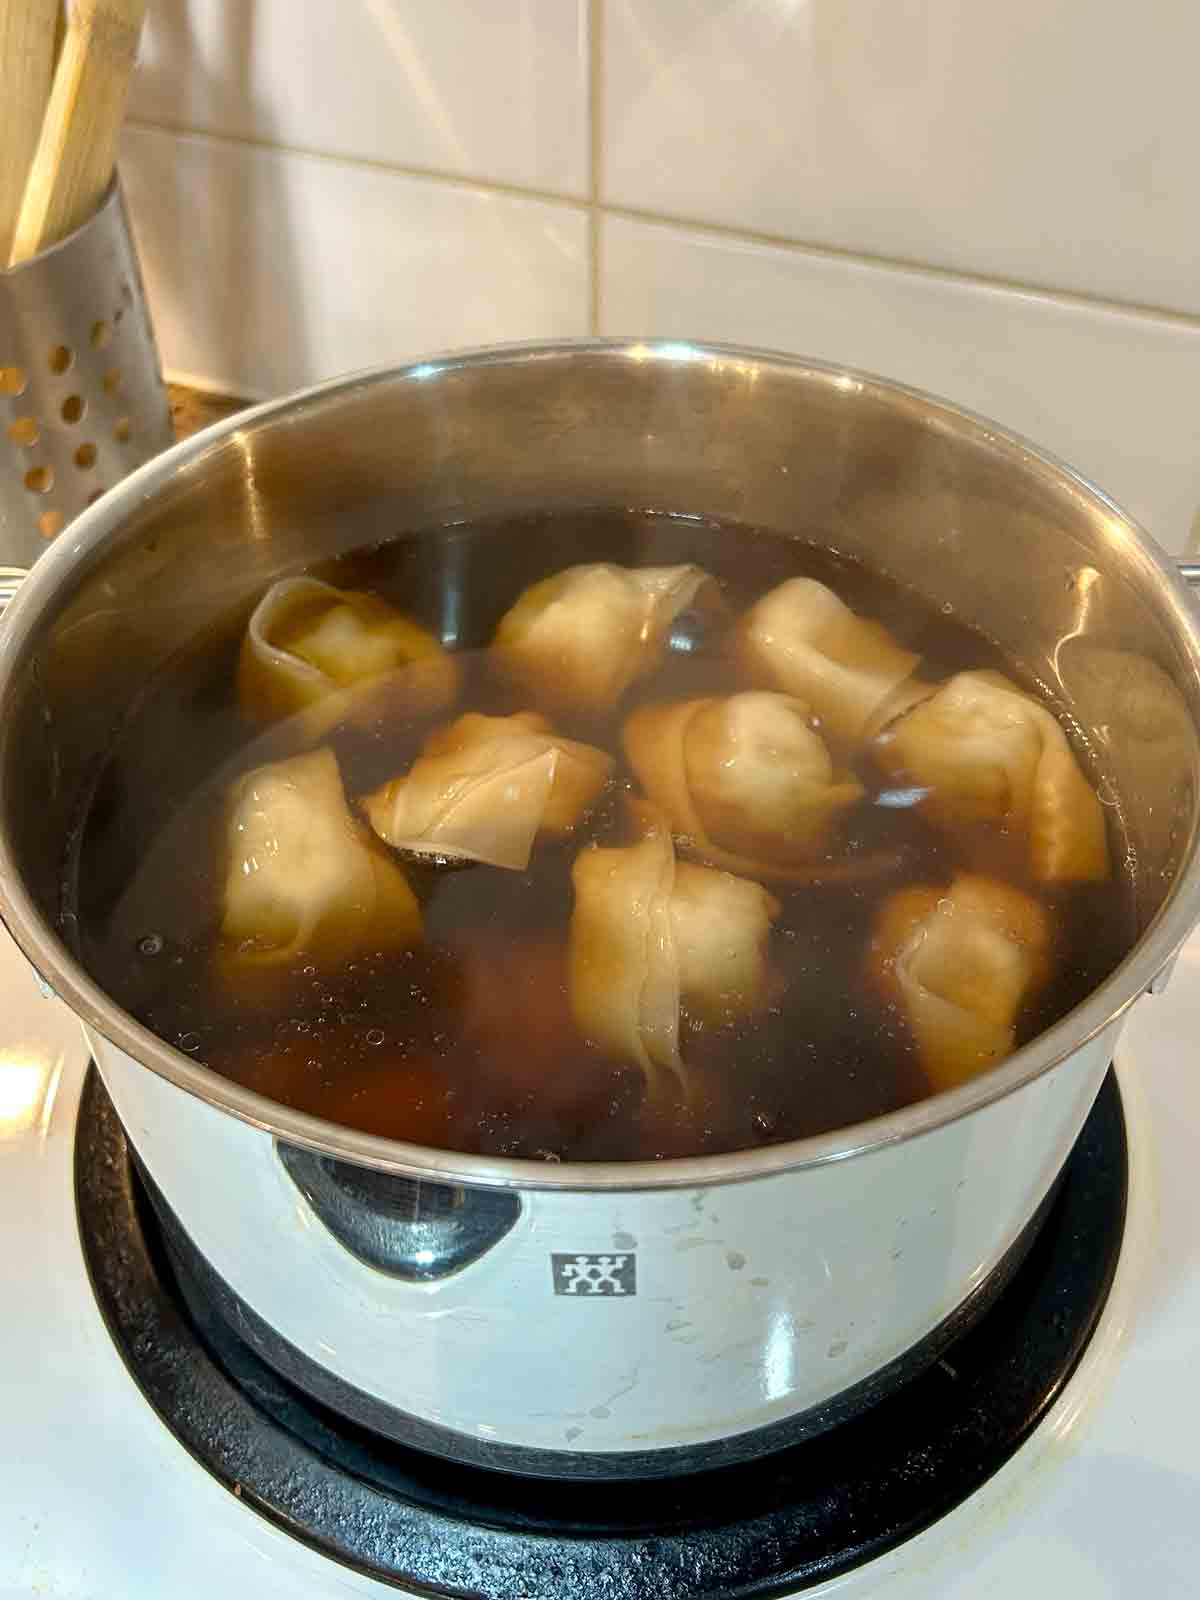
396,169
595,156
1077,298
596,210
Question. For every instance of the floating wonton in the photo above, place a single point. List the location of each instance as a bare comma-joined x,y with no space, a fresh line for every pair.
803,639
308,642
303,878
987,752
648,933
485,787
961,961
744,779
580,638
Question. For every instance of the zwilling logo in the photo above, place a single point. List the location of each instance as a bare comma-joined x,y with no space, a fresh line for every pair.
593,1275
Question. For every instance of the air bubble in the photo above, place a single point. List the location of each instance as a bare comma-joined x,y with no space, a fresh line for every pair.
374,1035
151,945
308,971
189,1041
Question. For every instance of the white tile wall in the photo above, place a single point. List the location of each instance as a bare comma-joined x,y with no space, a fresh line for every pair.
492,89
1023,143
1114,394
1048,143
268,270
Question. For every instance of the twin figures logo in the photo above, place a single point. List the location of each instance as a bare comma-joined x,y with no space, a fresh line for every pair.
591,1275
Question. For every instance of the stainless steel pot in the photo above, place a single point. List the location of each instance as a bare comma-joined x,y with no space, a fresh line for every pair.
597,1318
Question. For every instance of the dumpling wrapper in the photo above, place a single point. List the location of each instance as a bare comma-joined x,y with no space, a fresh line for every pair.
624,972
580,638
720,925
303,877
803,639
485,787
988,752
960,962
309,645
648,933
745,779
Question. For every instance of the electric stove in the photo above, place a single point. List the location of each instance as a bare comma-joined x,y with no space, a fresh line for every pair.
147,1455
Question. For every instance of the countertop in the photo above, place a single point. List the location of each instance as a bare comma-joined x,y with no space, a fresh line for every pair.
192,410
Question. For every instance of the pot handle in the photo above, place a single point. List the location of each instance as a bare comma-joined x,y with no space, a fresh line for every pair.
410,1228
1189,571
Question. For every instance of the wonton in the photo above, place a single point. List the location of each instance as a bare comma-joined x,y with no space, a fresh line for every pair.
961,962
803,639
744,779
308,643
483,788
303,877
987,752
580,638
649,934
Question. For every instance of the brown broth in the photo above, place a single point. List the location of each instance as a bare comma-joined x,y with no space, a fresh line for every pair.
468,1042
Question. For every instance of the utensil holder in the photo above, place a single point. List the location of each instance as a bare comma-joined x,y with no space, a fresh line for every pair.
82,400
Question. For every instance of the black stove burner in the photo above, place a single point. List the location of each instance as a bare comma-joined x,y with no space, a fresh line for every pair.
761,1528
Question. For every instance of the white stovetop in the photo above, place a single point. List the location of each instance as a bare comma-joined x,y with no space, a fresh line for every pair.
98,1501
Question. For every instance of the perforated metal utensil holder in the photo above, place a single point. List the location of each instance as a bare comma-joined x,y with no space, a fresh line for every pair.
82,400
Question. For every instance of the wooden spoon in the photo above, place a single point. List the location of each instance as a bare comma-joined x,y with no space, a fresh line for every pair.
77,148
27,29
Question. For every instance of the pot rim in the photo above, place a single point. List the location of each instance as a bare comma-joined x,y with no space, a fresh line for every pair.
66,977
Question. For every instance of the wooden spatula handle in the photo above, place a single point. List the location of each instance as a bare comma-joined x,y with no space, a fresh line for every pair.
77,148
26,60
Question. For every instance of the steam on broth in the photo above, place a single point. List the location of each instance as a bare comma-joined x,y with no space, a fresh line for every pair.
609,837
